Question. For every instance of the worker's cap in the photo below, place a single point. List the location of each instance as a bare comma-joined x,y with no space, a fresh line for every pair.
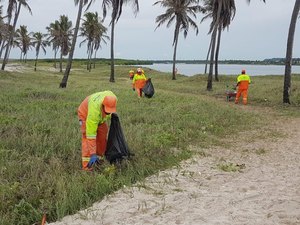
243,71
110,104
131,71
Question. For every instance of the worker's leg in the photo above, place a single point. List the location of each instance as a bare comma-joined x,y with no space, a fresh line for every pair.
139,92
238,94
85,155
101,139
245,96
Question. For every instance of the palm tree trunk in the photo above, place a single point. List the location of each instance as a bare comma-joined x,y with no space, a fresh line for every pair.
55,53
217,53
112,60
90,62
35,64
64,81
60,62
91,56
2,47
88,59
175,51
211,62
207,56
289,53
212,53
94,61
10,39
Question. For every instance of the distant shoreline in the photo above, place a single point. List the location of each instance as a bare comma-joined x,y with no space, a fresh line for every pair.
118,61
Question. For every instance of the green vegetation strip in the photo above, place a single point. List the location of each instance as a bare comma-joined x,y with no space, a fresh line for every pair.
40,142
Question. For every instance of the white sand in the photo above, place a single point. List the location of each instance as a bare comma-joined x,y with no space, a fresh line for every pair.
266,192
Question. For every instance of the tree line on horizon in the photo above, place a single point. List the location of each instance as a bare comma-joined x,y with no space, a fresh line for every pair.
62,36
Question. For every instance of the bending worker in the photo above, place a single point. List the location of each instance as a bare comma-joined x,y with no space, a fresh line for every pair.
243,81
139,81
93,113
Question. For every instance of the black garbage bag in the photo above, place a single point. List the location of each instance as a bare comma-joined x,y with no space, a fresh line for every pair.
148,89
117,148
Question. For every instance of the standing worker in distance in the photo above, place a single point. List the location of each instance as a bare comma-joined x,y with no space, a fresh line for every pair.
243,81
131,74
93,113
139,81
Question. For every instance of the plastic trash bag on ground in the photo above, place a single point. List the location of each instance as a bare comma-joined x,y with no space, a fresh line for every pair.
148,89
117,148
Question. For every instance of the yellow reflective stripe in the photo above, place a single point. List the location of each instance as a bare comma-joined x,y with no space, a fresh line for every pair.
91,137
85,159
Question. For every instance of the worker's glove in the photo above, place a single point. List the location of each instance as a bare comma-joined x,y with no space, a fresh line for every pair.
133,89
94,159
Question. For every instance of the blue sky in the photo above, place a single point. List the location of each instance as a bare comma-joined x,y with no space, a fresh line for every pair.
258,31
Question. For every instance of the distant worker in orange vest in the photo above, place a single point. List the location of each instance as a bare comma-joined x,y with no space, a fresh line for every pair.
139,81
243,81
131,74
93,113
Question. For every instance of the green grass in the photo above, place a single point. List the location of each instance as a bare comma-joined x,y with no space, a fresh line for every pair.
40,138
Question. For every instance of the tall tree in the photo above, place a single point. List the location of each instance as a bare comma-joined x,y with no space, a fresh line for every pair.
182,12
65,33
221,12
116,7
227,15
23,41
39,42
93,32
53,37
80,3
13,5
289,53
2,26
5,29
217,8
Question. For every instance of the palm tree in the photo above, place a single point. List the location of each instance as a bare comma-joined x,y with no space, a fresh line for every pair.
221,12
182,12
227,16
65,33
39,42
23,41
116,6
80,3
94,32
228,9
2,25
13,5
4,30
289,53
53,37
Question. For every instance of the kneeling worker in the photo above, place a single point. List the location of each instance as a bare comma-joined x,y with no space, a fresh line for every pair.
93,113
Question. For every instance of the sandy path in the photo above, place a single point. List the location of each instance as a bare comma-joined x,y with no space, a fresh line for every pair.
265,192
